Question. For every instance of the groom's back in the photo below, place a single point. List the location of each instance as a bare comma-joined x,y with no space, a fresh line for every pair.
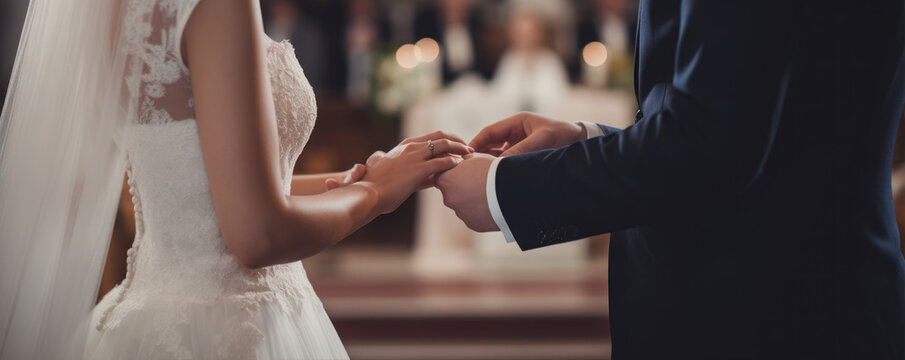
805,262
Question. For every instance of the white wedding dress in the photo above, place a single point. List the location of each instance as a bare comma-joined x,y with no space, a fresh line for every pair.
185,296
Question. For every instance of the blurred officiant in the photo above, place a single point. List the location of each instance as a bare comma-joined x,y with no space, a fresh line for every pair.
289,22
531,75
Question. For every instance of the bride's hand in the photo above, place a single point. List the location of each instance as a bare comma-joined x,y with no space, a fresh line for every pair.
350,176
356,173
404,169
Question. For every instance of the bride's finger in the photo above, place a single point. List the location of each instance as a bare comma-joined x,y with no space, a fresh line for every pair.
331,184
355,174
443,147
358,172
436,135
376,156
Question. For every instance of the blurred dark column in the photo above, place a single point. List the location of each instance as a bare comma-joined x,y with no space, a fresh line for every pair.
443,21
315,29
12,16
898,179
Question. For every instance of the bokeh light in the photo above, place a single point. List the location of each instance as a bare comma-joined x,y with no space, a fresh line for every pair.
594,53
429,49
408,56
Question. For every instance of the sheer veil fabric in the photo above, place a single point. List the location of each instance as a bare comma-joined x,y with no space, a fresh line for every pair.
61,168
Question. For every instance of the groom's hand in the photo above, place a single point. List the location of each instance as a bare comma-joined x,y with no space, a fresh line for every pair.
464,190
526,132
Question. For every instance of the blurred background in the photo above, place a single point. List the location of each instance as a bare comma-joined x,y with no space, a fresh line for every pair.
417,284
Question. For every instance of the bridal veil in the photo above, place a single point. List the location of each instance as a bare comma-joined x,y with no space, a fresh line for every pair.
61,171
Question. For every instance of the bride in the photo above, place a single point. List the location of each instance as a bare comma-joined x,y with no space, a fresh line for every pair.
210,120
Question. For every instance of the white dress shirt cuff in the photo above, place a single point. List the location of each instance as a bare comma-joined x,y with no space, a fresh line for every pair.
494,205
592,129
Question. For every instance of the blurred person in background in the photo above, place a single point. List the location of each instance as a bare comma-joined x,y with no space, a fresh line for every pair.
456,25
288,21
609,22
530,76
364,31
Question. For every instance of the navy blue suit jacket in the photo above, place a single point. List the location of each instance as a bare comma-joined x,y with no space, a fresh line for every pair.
750,203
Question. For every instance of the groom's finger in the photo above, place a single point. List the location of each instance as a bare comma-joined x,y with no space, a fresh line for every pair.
498,150
495,152
498,145
534,142
507,130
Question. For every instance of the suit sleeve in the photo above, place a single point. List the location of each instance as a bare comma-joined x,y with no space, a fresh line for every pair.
703,137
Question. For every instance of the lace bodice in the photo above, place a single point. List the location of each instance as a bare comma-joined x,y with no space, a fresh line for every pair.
178,254
157,78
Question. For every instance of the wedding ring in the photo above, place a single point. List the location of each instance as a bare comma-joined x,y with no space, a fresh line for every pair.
430,145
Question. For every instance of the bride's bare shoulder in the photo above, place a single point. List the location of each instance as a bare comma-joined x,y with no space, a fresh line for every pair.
223,13
222,22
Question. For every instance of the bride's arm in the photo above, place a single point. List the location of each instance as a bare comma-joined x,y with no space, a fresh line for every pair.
236,123
314,184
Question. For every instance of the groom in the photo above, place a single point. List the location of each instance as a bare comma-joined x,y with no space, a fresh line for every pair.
749,203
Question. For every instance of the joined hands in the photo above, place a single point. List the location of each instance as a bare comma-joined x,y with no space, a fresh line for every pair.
464,187
460,171
410,166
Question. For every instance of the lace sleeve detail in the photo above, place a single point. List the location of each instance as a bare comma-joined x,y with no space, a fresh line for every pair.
157,78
